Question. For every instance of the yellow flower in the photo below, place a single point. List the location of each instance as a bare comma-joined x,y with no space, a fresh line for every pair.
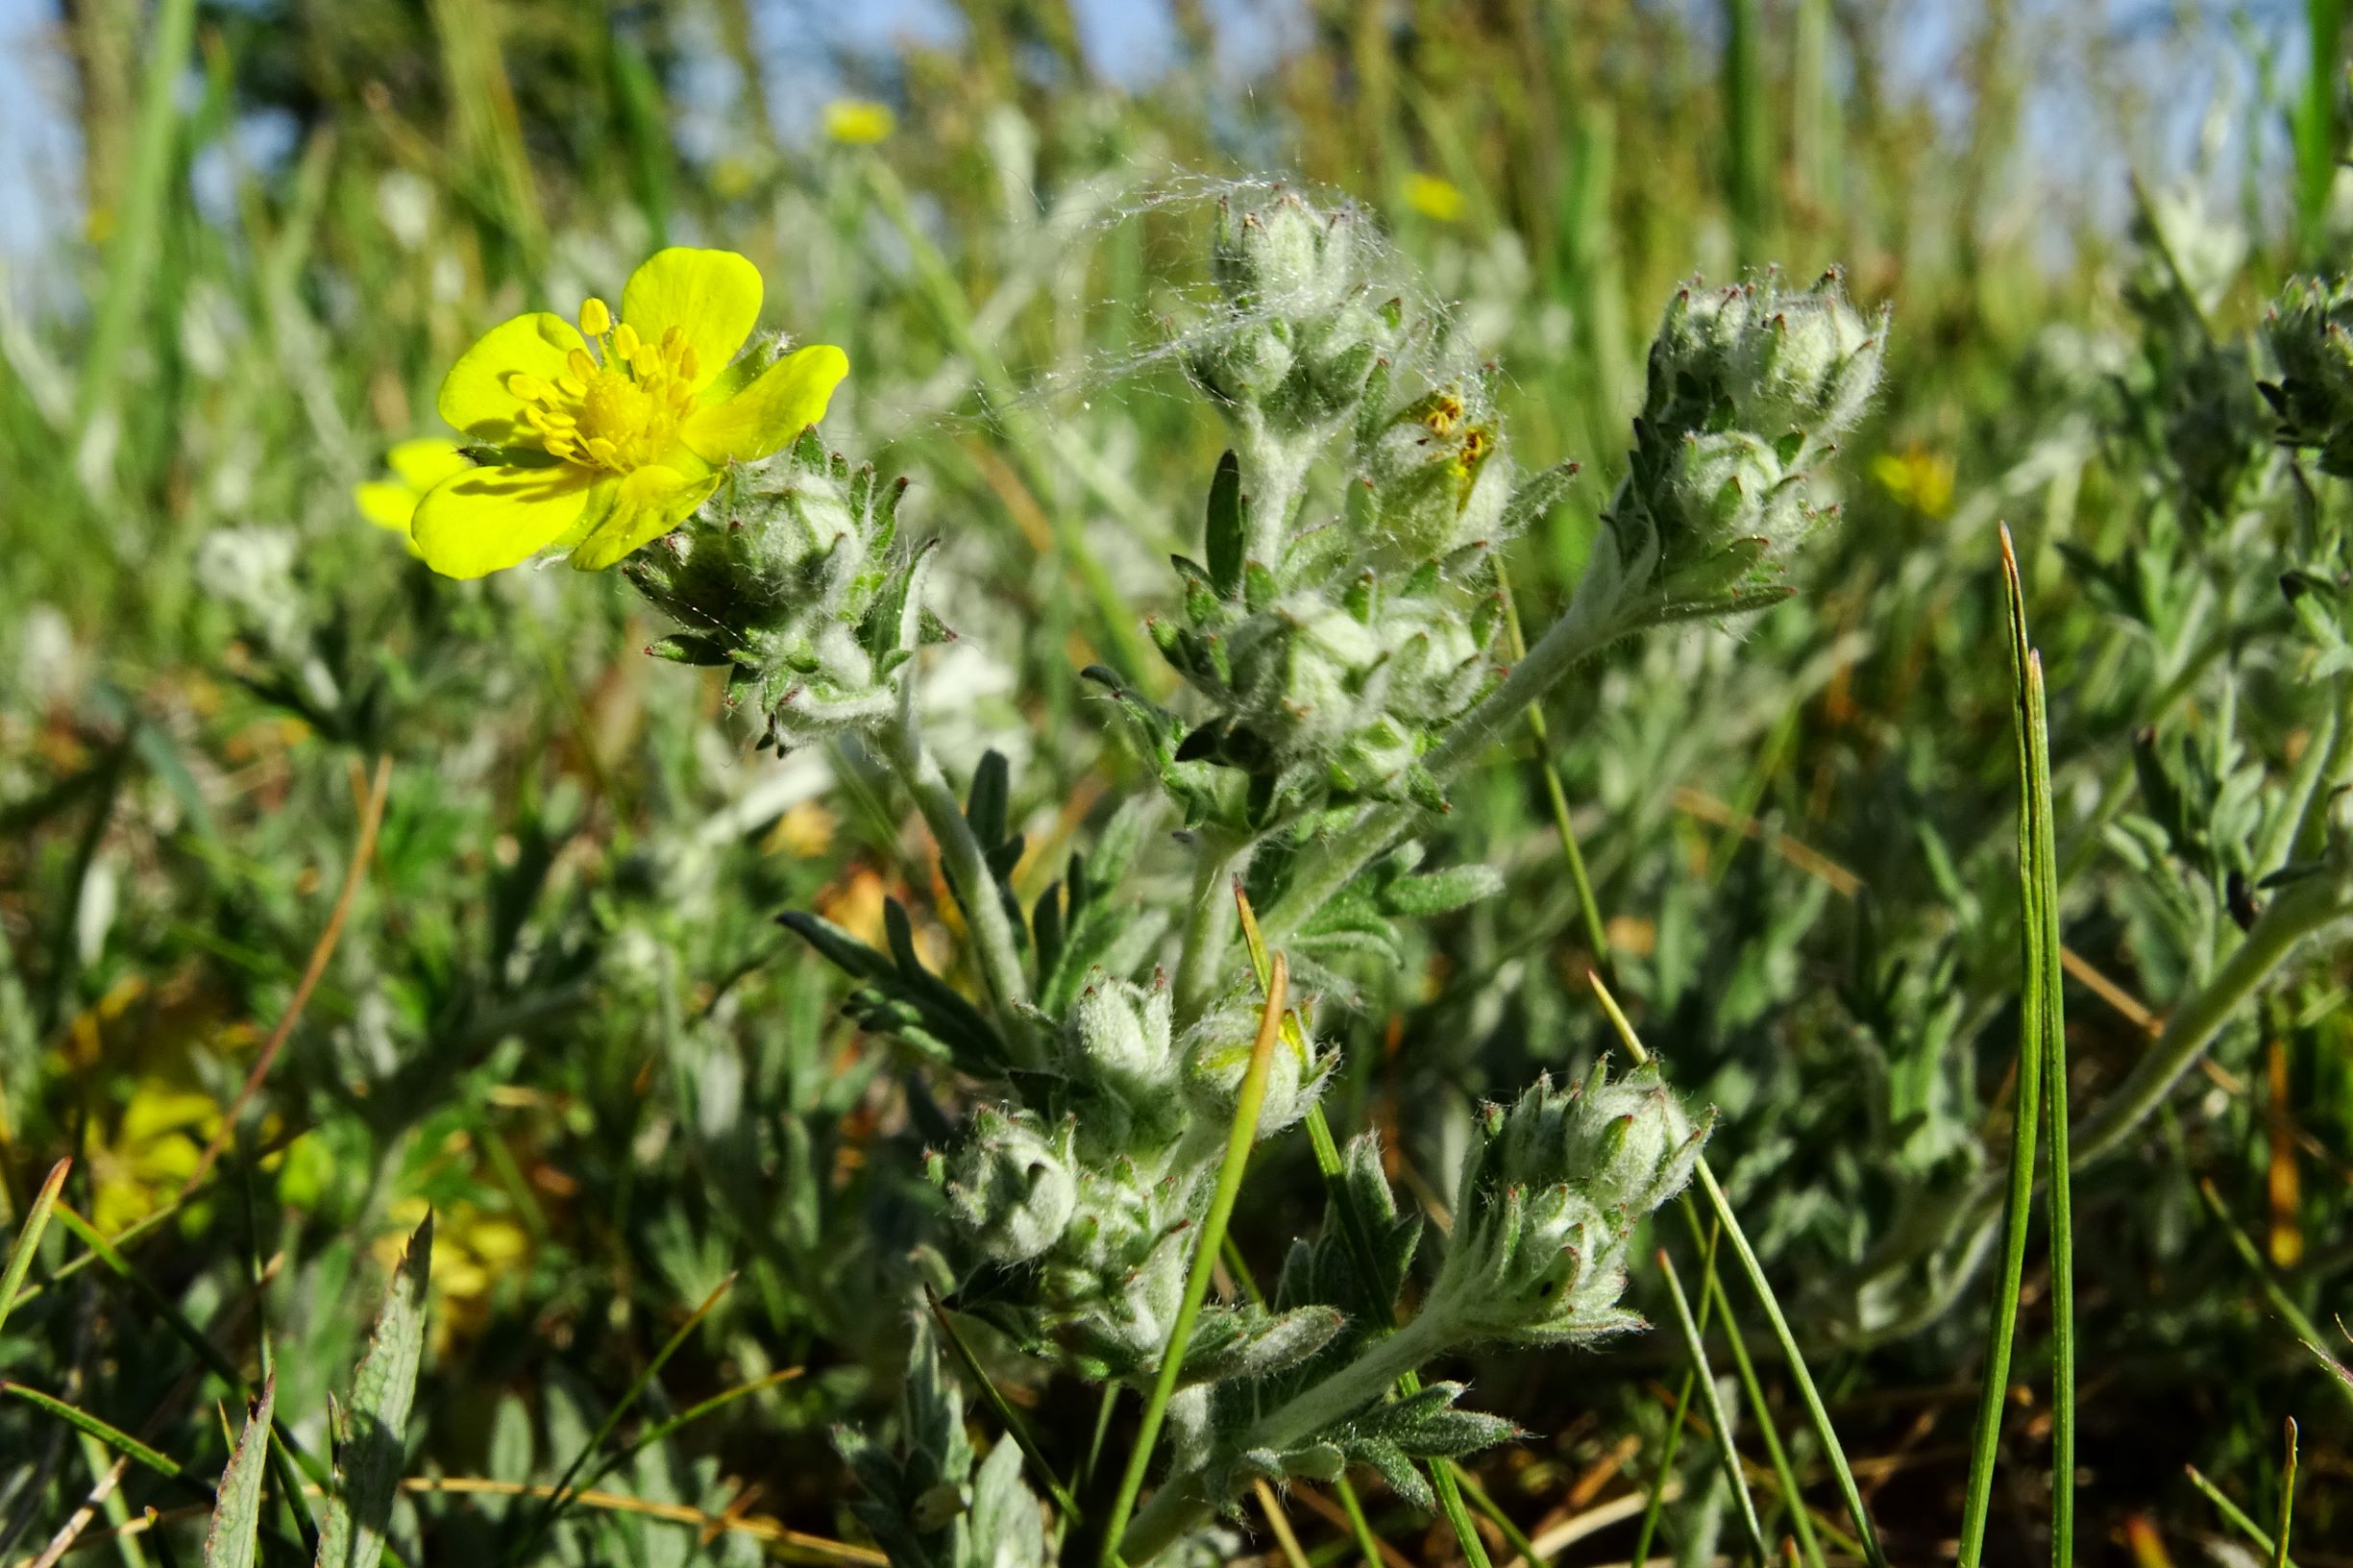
1433,197
599,453
416,466
859,122
1918,478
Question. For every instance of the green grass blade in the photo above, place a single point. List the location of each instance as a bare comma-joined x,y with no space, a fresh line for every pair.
1748,169
1358,1235
2026,1119
2045,958
1809,1544
114,1437
376,1437
1040,1469
2287,1498
1833,1450
564,1492
1726,1453
1655,1503
236,1532
2236,1518
139,224
1589,907
1243,1135
29,1238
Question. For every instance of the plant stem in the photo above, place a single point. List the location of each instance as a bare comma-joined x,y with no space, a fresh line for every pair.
2302,908
1239,1141
1589,907
1209,924
1185,1502
1324,869
994,943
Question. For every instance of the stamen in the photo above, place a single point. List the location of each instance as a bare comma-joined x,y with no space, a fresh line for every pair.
581,366
559,446
596,320
530,389
687,363
625,340
602,450
647,361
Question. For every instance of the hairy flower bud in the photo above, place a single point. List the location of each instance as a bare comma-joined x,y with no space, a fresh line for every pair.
1294,334
2308,331
1011,1186
1433,480
787,576
1218,1056
1750,388
1548,1200
1116,1046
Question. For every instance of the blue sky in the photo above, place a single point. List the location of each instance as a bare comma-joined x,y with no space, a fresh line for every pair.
2182,66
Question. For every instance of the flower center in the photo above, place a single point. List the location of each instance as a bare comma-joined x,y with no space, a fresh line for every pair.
618,414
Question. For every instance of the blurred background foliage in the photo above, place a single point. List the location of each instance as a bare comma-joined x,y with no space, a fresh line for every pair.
513,883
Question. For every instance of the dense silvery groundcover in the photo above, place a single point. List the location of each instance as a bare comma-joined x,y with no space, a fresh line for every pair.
1339,636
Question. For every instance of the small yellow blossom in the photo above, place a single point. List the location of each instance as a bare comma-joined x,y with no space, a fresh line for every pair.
599,453
1918,478
1433,197
859,122
416,467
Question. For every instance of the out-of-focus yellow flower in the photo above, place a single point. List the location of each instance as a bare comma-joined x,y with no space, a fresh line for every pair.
415,467
153,1148
1917,478
472,1252
599,453
859,122
1433,197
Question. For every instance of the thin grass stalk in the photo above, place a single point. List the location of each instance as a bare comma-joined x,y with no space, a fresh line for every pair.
2286,1497
1589,907
147,193
1007,1416
1285,1538
1655,1505
545,1516
1833,1450
1359,1236
1725,1453
2026,1119
2054,1020
2236,1518
2281,1301
1809,1544
29,1238
1747,148
1244,1133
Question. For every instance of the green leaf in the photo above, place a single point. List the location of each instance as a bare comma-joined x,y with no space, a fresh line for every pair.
236,1517
28,1239
374,1439
1225,526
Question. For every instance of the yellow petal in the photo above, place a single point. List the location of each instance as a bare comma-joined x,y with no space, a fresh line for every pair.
478,396
646,504
386,504
427,461
712,297
489,519
767,415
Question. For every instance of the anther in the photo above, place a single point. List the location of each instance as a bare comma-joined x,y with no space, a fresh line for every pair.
581,366
625,340
596,320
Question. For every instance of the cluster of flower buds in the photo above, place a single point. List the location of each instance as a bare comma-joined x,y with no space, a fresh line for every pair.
1298,326
1093,1194
2307,332
1334,650
1547,1201
1750,388
788,578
